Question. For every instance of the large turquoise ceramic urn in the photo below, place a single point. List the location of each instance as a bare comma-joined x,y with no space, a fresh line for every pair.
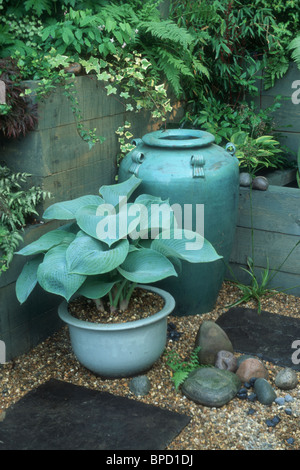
194,174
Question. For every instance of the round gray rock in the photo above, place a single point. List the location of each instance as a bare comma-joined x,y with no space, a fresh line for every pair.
264,391
245,179
140,385
210,386
211,338
286,379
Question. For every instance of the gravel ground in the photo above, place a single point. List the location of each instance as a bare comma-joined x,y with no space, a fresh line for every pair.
230,427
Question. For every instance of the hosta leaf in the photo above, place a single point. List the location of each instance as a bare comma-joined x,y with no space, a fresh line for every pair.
185,245
46,242
66,210
113,193
107,226
146,266
71,228
95,287
27,280
53,274
89,256
156,216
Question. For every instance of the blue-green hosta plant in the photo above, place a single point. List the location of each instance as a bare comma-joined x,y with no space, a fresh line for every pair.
108,245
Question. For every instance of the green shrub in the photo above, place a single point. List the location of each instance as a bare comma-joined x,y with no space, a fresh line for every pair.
17,206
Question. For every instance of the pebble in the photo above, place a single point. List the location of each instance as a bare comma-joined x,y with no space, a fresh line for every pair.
286,379
226,360
252,397
172,333
264,391
251,368
140,385
261,183
273,422
288,398
290,440
245,179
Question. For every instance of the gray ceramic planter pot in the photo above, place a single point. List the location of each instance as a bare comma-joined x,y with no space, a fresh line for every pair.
120,349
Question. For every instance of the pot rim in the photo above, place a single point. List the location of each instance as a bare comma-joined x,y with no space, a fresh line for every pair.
166,310
193,138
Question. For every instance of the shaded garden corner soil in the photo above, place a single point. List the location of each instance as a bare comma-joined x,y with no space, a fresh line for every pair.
239,425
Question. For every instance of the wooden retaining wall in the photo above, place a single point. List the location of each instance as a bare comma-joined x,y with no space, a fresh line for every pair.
60,162
276,230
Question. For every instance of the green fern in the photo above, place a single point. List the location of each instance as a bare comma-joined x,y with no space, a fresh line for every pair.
17,204
295,47
276,67
167,31
181,369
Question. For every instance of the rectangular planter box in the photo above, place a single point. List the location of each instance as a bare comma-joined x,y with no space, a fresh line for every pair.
276,230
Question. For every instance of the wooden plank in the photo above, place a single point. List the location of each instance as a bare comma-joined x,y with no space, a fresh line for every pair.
51,151
55,110
78,181
31,233
54,150
17,341
281,177
21,339
277,210
271,246
287,117
291,140
12,314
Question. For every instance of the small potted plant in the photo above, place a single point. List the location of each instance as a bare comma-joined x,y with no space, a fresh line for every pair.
110,249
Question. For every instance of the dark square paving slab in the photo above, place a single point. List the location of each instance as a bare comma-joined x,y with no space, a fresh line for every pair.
267,334
62,416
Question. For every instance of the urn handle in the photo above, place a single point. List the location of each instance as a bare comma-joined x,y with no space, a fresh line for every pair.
136,142
137,159
230,148
198,162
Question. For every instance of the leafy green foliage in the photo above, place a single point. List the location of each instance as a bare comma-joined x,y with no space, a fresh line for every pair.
182,368
257,154
107,249
237,41
256,290
17,205
295,47
222,120
17,116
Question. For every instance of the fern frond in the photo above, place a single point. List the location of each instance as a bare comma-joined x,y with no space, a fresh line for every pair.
295,47
167,31
276,68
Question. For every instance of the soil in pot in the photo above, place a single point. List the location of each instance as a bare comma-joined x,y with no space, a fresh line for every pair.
142,305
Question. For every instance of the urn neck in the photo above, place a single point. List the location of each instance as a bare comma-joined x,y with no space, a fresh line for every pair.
178,138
